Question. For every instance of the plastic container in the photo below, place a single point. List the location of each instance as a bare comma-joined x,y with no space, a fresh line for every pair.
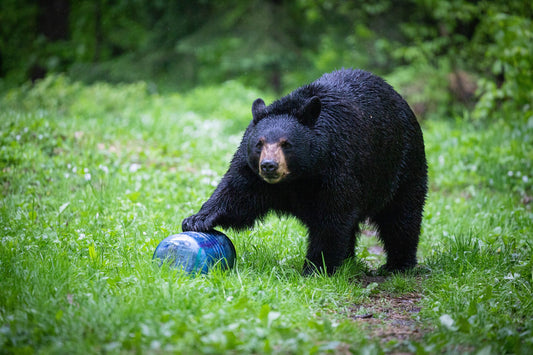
196,252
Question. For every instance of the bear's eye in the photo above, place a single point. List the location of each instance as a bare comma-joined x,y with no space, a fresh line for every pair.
285,144
259,145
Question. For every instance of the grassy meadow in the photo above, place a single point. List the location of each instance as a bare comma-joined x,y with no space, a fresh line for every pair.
92,178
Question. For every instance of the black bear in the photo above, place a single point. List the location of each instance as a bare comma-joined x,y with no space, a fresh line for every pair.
341,150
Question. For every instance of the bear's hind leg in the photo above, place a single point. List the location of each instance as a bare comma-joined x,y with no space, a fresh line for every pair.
399,228
353,241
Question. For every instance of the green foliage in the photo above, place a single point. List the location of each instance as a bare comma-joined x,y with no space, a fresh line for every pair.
486,300
478,226
245,48
445,57
17,37
481,222
470,156
490,39
510,56
422,86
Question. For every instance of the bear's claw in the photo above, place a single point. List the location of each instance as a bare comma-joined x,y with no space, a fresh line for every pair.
197,223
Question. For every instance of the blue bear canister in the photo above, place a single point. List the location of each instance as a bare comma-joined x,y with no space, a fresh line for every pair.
196,252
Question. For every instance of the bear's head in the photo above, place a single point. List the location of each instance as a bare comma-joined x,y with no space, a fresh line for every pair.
282,146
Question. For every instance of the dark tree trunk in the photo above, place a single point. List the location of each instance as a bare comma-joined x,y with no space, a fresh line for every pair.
53,19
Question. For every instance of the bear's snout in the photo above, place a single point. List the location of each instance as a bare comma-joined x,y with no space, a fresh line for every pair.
269,167
272,163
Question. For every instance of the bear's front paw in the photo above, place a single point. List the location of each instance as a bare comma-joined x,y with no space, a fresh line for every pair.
197,223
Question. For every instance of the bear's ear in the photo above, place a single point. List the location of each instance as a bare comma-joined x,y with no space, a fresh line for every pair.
309,112
258,110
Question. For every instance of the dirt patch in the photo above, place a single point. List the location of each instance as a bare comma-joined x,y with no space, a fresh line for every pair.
390,318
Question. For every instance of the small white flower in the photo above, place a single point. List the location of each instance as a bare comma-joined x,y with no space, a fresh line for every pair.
87,176
134,167
447,321
104,168
155,345
511,276
208,172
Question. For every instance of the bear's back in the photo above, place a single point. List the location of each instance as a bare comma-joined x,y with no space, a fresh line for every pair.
349,95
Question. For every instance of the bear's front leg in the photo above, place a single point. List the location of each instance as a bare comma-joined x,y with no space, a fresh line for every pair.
206,219
235,203
329,245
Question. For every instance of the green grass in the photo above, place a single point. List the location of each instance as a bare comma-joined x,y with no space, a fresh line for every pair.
93,177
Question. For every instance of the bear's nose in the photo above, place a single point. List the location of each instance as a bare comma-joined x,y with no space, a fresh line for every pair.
269,166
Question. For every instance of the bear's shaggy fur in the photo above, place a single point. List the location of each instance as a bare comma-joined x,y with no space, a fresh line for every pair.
341,150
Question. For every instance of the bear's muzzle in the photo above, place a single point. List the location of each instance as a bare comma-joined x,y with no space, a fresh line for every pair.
272,163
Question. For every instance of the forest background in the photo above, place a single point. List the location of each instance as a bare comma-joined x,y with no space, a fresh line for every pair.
444,56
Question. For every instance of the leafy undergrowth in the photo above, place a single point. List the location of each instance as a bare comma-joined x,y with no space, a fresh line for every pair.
93,177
